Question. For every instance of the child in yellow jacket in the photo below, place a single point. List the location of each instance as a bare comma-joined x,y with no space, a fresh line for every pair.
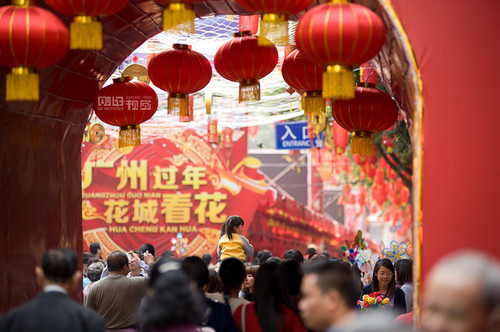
231,242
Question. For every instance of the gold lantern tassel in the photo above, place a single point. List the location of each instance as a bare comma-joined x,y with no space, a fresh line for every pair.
130,135
273,29
178,104
179,17
249,90
22,84
362,143
314,103
85,33
338,82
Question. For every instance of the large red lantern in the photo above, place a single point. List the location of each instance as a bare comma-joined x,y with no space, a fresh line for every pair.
179,71
30,38
338,36
305,76
242,60
274,21
126,104
370,111
178,15
86,30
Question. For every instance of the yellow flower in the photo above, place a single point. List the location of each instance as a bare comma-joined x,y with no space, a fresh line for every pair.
371,300
365,297
385,301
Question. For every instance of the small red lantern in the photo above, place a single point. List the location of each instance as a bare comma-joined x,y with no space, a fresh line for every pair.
227,138
212,134
30,38
179,71
305,76
126,104
274,21
340,137
242,60
370,111
338,36
86,30
178,15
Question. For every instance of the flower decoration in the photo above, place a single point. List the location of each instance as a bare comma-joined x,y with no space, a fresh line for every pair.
373,300
349,255
396,251
179,244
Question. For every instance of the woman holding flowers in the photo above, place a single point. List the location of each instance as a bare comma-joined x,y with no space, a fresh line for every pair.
382,292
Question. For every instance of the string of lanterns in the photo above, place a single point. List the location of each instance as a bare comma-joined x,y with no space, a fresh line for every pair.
331,39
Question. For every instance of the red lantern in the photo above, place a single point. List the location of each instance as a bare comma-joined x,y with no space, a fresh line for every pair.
179,71
370,111
212,134
242,60
340,137
389,140
86,30
126,104
305,76
30,38
227,138
178,15
339,36
274,22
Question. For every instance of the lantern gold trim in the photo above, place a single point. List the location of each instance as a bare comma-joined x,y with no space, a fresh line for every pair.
314,103
130,135
338,82
85,33
178,104
273,29
362,143
22,84
249,90
179,17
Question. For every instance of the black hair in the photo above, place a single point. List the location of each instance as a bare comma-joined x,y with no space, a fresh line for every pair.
230,224
295,255
293,274
94,270
86,257
232,274
94,247
252,270
147,247
404,271
207,258
385,262
270,293
196,269
174,302
59,265
334,275
356,277
116,261
263,256
214,283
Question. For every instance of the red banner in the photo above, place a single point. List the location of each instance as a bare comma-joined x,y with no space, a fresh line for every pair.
174,192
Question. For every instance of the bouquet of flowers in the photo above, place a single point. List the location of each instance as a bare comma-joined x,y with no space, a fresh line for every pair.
373,300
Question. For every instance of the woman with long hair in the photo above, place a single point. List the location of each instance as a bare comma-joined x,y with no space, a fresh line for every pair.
273,310
404,279
384,281
231,242
249,283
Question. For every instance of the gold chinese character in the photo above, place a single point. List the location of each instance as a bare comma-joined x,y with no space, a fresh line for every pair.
117,209
194,176
165,174
176,208
145,211
87,171
215,207
133,172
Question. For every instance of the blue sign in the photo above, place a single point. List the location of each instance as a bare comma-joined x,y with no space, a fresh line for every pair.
293,136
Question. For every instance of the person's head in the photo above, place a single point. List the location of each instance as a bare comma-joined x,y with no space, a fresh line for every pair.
295,255
462,294
60,267
214,283
173,300
249,283
293,274
274,259
134,266
270,293
383,276
263,256
328,294
232,273
94,271
207,258
118,263
86,257
233,225
404,271
317,257
147,247
95,249
310,252
196,269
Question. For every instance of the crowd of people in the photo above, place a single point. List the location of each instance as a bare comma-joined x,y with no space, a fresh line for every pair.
139,291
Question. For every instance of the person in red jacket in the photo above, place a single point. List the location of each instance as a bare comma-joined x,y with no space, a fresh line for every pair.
273,309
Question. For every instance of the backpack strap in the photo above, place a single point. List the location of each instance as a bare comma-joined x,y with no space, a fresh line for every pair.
243,317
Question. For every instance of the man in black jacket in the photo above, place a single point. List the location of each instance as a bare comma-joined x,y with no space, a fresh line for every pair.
53,310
